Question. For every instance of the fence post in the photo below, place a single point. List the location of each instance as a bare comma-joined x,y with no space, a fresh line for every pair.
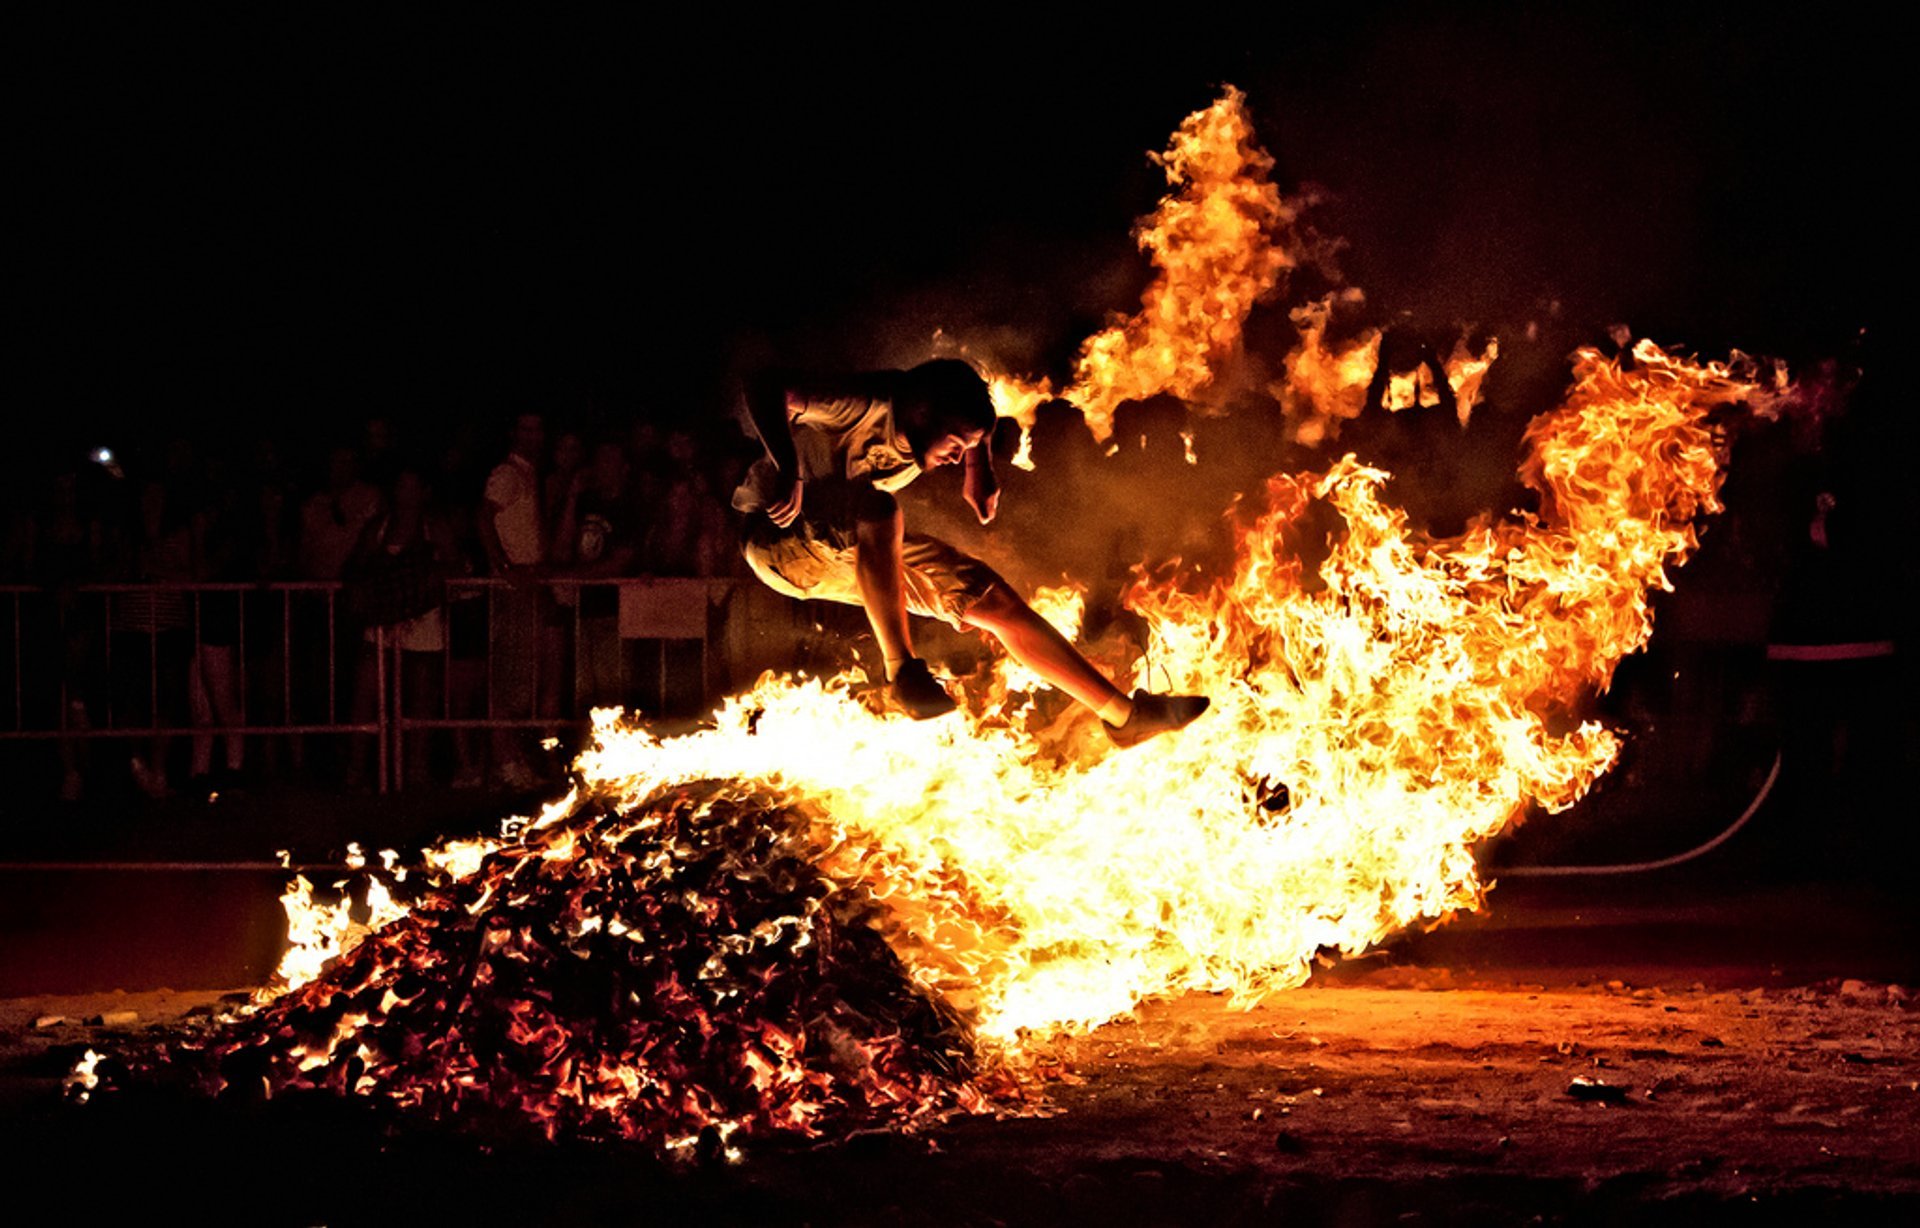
382,713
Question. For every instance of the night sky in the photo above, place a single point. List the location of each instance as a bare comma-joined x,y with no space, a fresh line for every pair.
447,218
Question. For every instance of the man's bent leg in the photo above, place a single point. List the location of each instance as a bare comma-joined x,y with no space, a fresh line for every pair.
880,573
879,533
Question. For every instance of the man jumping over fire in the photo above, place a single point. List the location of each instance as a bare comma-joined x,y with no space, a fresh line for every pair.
823,525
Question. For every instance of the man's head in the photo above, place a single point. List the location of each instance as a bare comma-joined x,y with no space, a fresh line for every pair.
343,469
607,473
529,436
379,436
943,409
411,490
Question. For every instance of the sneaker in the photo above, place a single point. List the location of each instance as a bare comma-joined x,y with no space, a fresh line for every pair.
917,691
1156,714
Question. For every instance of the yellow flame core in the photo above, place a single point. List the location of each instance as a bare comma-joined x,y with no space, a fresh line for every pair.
1371,723
1413,698
1374,717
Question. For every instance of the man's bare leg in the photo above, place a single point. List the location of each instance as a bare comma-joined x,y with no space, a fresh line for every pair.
880,570
879,535
1036,644
1033,641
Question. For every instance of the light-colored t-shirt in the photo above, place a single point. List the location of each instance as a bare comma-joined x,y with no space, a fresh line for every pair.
330,527
847,436
514,493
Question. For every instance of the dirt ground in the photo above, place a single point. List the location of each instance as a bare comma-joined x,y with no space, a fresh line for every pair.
1758,1020
1382,1094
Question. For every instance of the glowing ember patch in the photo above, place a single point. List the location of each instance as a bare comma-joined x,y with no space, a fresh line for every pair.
760,1000
81,1081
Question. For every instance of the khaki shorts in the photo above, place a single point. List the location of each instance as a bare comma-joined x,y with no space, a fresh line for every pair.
814,563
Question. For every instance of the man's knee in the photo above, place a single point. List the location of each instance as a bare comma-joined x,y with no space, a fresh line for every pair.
875,510
996,603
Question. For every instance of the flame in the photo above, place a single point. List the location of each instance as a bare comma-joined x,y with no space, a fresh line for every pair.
1383,701
1326,381
1221,243
1466,371
1372,723
1019,399
79,1083
1218,246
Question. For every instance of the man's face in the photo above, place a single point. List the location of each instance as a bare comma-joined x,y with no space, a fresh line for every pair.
342,468
609,471
948,449
529,435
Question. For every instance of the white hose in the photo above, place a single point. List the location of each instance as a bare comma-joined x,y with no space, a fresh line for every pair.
1640,867
1637,867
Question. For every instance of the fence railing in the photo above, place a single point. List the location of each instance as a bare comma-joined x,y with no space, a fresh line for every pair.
293,659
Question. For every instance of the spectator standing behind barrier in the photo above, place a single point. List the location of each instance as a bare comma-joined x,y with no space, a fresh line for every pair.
556,629
330,525
150,633
213,681
269,553
569,461
511,533
380,454
690,530
396,581
596,539
332,519
466,638
66,550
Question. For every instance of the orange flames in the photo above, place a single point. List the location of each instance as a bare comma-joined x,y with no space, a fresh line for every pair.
1375,717
1217,249
1220,242
1373,721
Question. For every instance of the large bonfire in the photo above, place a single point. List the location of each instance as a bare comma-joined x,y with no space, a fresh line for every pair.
810,915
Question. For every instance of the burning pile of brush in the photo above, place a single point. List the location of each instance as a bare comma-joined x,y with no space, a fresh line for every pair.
798,919
682,975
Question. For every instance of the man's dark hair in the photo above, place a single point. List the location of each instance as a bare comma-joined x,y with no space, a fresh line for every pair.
946,395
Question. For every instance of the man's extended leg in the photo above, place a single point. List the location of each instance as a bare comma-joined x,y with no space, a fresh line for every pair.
1036,644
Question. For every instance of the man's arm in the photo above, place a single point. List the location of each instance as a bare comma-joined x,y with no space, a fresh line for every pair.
767,407
560,546
490,538
981,486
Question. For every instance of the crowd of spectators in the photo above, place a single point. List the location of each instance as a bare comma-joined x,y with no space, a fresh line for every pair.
207,583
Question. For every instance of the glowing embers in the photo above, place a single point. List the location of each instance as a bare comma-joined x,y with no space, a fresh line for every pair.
685,971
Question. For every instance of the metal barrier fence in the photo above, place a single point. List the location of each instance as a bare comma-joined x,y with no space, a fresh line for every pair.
289,659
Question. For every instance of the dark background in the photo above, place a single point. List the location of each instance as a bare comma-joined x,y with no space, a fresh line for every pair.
451,216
